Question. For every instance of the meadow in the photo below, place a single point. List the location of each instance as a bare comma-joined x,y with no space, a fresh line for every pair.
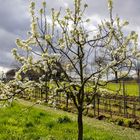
27,122
131,89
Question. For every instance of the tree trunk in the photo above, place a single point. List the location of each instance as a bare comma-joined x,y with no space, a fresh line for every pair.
80,124
116,77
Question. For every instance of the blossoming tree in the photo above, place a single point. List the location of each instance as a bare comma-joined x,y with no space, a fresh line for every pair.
66,46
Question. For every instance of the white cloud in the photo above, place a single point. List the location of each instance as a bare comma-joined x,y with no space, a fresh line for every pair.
3,69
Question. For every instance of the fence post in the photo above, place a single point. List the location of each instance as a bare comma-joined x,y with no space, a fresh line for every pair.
110,108
98,99
134,109
67,101
138,80
94,105
125,103
120,107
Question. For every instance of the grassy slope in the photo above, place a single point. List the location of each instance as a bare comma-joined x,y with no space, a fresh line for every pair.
41,123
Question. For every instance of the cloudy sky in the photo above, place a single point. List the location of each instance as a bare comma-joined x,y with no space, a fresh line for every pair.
15,20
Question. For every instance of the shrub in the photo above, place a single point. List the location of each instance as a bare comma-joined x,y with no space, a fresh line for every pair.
120,122
128,122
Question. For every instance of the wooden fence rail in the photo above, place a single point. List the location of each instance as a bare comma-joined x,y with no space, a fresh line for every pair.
107,104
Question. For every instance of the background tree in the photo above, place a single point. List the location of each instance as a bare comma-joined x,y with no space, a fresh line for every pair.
67,46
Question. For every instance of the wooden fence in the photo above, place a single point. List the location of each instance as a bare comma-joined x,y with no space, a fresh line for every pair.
108,104
117,105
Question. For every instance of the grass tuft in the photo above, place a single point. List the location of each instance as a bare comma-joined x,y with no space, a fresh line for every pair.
64,119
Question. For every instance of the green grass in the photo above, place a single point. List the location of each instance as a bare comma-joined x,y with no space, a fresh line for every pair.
131,89
20,122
